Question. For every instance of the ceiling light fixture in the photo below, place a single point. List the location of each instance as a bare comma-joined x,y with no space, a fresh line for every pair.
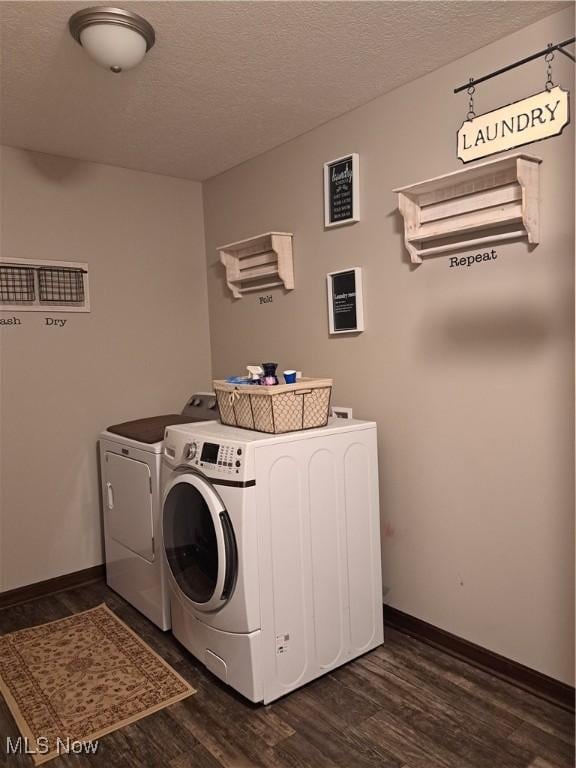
115,39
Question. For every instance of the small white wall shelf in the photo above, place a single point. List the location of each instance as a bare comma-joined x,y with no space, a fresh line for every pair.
258,263
486,203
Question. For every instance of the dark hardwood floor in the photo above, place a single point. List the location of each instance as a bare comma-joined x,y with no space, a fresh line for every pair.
405,705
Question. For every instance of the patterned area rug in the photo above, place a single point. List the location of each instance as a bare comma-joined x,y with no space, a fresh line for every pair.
76,679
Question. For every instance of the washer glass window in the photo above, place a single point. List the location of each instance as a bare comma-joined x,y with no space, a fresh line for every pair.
190,542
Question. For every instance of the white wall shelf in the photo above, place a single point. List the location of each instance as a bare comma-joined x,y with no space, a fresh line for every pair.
258,263
486,203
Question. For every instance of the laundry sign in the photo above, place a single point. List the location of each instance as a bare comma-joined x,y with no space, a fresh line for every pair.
345,301
341,191
523,122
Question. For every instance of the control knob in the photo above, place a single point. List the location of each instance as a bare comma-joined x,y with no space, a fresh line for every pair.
192,451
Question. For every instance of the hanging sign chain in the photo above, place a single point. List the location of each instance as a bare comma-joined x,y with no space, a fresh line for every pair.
549,49
471,114
548,59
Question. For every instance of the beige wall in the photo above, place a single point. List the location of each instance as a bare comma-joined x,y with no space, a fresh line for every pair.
140,351
468,372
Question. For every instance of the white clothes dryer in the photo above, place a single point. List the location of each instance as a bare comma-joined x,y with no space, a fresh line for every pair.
130,458
273,550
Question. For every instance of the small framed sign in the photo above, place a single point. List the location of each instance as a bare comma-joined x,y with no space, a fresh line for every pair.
345,302
341,191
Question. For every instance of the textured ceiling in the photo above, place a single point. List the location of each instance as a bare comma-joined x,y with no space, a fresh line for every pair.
225,80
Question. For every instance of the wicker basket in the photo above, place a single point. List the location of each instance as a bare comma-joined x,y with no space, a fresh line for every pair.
282,408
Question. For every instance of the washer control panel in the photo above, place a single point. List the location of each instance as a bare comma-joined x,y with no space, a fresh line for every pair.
209,449
222,458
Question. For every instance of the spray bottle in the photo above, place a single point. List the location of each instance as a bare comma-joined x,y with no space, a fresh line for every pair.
255,372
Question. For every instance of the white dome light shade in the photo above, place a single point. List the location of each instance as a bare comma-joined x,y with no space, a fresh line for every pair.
113,47
115,39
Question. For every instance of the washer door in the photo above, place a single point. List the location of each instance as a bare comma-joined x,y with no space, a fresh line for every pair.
199,542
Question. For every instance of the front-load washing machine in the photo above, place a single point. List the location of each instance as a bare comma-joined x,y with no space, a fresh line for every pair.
130,457
273,550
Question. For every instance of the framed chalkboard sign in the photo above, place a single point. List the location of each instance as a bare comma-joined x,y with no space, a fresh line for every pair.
341,191
345,301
